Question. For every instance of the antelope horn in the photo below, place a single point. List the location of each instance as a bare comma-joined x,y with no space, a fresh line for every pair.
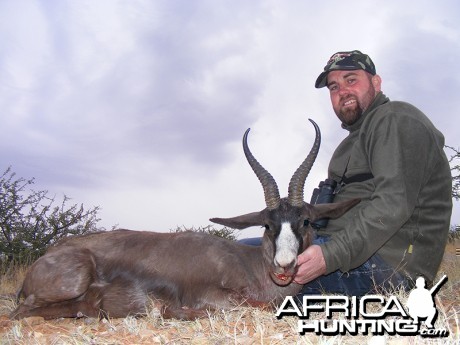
297,183
271,192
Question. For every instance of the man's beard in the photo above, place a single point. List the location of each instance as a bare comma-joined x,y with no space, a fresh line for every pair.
349,116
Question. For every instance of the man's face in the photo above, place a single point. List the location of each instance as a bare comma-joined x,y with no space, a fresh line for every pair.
352,92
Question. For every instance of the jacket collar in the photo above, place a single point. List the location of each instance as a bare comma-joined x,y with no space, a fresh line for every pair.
379,99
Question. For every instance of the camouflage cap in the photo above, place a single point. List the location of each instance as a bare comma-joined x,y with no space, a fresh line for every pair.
346,61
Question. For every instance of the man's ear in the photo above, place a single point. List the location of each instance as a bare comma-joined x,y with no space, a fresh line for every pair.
377,83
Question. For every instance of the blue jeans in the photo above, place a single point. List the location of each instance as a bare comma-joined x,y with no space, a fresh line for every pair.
374,276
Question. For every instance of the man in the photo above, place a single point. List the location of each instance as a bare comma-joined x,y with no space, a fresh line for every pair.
393,160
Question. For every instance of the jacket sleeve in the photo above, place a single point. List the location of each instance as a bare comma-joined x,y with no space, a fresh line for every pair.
397,147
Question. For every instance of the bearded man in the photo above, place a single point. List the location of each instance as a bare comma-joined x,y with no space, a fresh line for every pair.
393,160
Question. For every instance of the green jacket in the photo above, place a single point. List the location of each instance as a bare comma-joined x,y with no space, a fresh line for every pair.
406,207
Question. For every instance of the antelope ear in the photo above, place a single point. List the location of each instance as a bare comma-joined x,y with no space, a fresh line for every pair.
334,210
241,222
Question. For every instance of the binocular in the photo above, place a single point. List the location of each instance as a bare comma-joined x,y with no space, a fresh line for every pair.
324,194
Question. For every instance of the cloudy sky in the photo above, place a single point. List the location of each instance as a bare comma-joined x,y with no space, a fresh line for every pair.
140,106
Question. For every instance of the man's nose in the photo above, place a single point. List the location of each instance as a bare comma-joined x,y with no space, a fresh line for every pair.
343,89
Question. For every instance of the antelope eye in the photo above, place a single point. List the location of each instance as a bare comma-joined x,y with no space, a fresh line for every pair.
267,227
306,222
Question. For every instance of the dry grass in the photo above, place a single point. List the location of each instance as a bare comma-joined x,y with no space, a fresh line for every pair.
239,326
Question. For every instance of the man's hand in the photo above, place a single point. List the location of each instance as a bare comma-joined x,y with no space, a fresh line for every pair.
311,265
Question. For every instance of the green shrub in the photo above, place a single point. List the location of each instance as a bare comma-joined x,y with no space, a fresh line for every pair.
30,221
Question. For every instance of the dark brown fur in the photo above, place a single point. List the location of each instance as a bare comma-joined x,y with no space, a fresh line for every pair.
116,273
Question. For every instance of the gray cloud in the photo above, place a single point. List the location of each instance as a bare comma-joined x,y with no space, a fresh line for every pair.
178,90
107,100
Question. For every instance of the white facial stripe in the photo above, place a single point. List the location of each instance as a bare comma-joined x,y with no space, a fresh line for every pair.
286,246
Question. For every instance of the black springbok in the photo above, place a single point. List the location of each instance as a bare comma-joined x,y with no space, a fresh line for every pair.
118,273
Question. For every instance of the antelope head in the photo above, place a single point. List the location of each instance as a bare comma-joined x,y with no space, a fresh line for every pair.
286,220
